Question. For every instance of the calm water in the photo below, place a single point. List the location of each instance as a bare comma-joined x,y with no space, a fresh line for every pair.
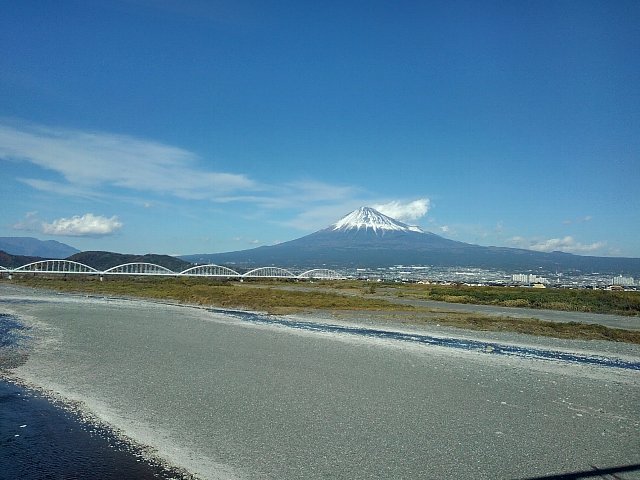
39,439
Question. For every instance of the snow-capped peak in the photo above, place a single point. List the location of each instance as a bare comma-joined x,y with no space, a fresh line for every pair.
369,218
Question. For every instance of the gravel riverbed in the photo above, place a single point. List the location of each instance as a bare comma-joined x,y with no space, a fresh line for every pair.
231,395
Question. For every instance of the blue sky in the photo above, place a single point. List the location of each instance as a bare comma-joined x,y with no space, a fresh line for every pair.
183,127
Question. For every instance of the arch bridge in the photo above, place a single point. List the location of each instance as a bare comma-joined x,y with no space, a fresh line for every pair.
55,266
138,268
151,269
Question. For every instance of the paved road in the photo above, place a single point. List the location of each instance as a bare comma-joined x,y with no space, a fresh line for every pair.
227,397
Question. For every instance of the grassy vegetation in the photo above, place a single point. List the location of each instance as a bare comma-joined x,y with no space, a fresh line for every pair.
543,328
209,292
593,301
354,298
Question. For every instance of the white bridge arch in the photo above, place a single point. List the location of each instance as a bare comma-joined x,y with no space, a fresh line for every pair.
210,270
269,272
139,268
321,274
56,266
147,269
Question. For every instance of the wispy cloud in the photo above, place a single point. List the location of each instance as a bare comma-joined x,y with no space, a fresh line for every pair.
88,225
565,244
299,193
321,216
586,218
100,166
93,160
64,189
30,223
315,191
405,211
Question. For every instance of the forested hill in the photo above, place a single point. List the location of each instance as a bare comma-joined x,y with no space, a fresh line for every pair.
105,260
14,261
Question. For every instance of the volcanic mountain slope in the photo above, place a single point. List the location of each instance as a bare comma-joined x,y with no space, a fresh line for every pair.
32,247
368,238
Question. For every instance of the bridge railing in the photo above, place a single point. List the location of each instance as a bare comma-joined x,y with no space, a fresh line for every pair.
56,266
139,268
210,270
269,272
321,274
143,268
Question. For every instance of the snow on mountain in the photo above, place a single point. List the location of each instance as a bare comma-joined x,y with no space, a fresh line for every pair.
368,218
368,238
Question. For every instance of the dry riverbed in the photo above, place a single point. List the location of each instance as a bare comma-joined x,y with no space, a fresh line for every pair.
234,394
404,304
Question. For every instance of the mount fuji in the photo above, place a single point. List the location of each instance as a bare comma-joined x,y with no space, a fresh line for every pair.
367,218
368,238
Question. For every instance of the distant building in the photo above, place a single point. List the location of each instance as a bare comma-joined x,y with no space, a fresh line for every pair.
623,281
530,278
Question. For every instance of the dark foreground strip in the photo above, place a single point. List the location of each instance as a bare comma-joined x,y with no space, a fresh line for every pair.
40,439
595,472
462,344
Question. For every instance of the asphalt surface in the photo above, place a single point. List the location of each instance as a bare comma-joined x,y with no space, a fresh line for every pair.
225,396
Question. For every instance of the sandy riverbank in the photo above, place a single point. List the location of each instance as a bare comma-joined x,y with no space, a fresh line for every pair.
228,398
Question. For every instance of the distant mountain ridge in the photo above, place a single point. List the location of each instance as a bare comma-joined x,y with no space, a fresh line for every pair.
101,260
368,238
32,247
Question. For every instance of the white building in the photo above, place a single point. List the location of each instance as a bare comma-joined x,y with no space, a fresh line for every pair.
531,278
624,281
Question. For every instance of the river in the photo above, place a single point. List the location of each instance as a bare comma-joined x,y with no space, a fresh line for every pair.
229,395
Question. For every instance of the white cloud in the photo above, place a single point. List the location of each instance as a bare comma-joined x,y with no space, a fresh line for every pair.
61,188
319,191
86,225
102,166
91,160
321,216
586,218
304,194
30,223
565,244
405,212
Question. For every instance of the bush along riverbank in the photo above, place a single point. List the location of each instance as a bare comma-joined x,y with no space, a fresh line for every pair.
350,298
